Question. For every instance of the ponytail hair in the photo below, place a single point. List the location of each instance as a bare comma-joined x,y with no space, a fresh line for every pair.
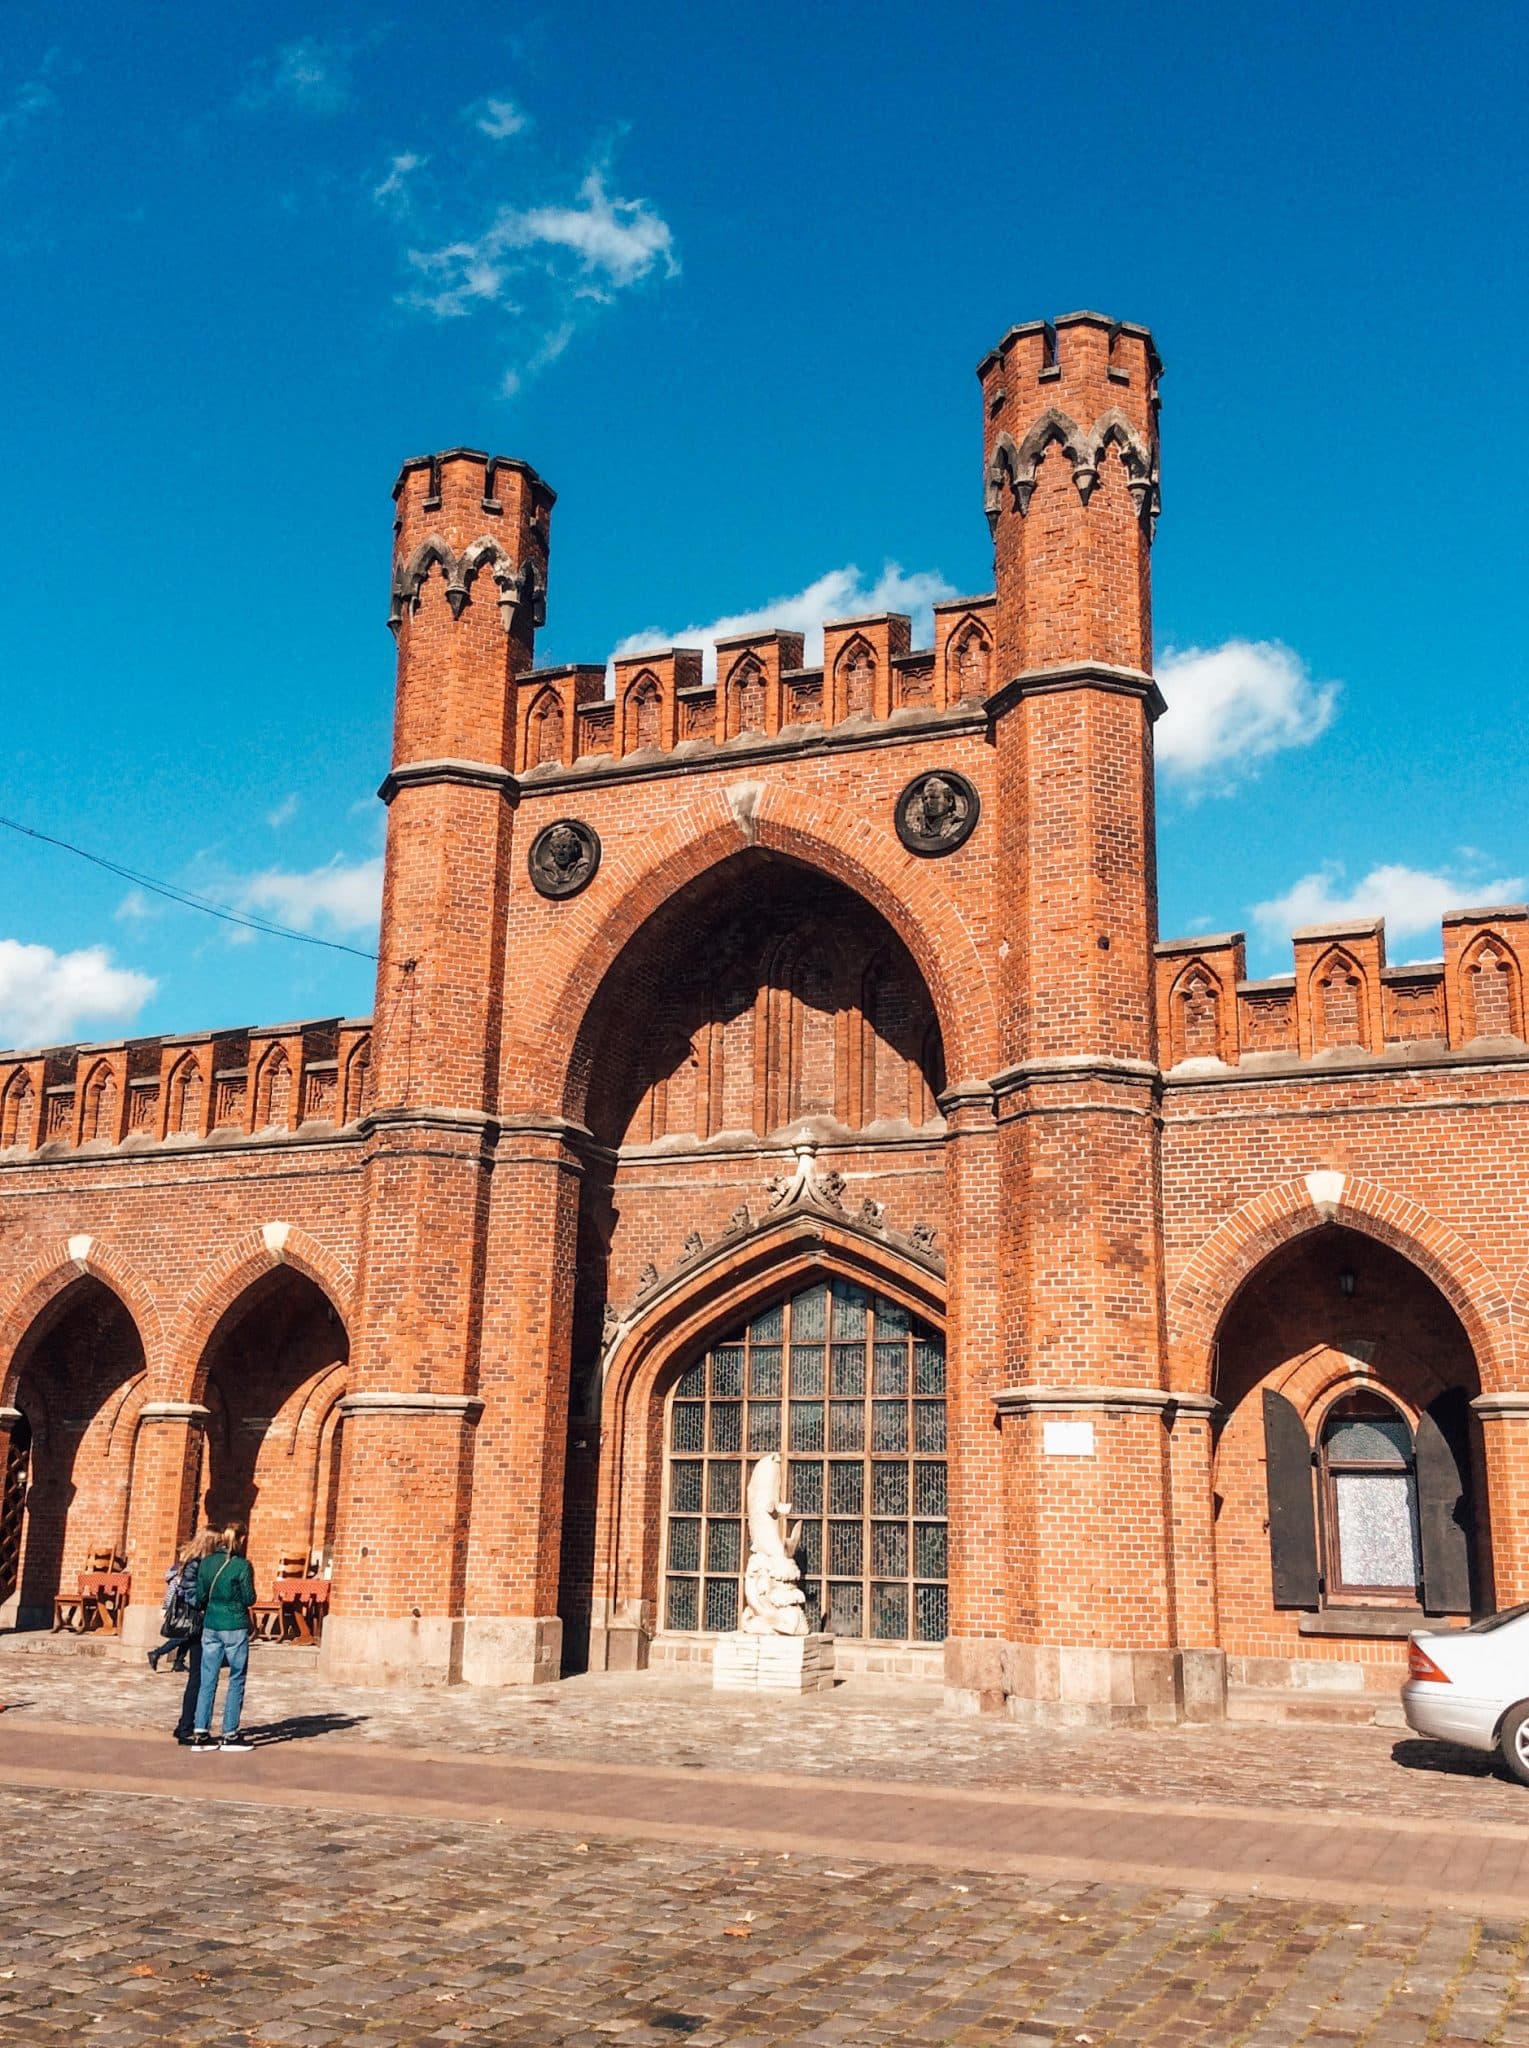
233,1539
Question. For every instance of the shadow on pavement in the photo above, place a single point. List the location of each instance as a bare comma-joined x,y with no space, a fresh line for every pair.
1445,1759
302,1727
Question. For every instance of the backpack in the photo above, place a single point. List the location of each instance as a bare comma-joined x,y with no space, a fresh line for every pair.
182,1618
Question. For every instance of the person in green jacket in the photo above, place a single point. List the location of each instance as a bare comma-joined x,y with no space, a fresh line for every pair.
227,1588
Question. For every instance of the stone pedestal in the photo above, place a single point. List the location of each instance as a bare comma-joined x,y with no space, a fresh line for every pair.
749,1663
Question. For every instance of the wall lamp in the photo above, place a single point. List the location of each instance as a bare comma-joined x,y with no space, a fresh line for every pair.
1346,1283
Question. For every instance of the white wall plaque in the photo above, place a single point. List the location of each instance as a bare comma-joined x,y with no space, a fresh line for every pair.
1067,1439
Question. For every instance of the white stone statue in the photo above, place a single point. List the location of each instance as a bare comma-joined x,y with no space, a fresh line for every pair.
773,1601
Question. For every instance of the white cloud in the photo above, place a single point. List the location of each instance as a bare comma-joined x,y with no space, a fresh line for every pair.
284,812
1231,706
498,119
841,594
310,75
341,896
1411,900
393,192
612,244
45,997
547,266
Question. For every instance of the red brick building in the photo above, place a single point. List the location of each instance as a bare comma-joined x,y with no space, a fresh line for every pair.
790,1061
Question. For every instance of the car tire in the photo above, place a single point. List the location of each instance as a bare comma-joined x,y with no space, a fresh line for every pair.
1513,1741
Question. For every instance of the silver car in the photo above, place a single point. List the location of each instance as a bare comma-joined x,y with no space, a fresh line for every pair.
1471,1686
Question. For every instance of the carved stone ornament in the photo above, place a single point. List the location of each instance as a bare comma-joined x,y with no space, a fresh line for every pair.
773,1601
937,813
805,1188
694,1245
563,858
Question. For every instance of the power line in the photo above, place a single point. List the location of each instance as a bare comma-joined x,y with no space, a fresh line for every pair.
187,898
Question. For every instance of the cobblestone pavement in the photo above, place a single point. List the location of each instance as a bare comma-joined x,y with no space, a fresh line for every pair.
860,1730
248,1925
238,1927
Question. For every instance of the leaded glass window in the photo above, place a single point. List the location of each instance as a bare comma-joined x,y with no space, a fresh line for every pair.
1370,1497
849,1387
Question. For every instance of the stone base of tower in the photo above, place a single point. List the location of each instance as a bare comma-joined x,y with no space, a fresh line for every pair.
442,1649
1064,1685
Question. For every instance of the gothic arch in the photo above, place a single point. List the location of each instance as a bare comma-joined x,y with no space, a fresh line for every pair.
855,678
186,1104
273,1090
98,1105
636,880
1205,1289
545,736
968,661
247,1260
642,709
18,1111
1338,990
357,1098
1196,1013
1492,1011
745,696
51,1277
677,1321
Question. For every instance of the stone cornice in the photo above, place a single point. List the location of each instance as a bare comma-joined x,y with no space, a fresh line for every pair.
1073,1067
1112,1400
469,774
1491,1407
1073,675
173,1411
381,1402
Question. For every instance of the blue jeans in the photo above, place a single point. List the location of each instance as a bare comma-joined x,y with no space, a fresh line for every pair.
220,1646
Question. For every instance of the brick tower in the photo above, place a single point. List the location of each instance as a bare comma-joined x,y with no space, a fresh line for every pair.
469,577
1074,1583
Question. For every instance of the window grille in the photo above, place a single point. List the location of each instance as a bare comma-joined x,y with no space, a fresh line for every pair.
850,1389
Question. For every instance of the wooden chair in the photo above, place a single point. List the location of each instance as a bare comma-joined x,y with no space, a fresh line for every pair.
81,1612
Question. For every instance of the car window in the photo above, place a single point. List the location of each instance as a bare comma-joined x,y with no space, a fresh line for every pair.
1485,1628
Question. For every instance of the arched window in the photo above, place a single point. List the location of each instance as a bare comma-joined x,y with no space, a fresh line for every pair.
1369,1499
850,1389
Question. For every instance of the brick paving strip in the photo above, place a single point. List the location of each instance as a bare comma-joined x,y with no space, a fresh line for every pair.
1478,1867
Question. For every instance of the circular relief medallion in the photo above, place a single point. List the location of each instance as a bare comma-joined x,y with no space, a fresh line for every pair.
563,857
937,813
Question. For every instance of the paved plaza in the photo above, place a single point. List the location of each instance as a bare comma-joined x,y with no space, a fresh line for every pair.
634,1860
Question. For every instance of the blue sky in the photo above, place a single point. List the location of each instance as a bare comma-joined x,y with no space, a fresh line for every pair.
724,277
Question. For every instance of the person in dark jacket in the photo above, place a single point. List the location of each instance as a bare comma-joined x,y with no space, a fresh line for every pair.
181,1578
227,1588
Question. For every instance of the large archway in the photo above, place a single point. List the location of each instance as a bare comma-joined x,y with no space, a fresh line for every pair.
78,1380
1350,1481
273,1375
764,1008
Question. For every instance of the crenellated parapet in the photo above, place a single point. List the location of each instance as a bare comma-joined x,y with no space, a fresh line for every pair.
660,702
1343,998
227,1084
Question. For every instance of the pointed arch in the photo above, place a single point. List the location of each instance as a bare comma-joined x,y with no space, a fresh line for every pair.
968,661
745,695
1196,1013
678,1320
358,1080
250,1258
642,712
187,1097
638,878
31,1302
855,678
273,1090
1216,1271
98,1105
546,726
1339,1001
1491,982
18,1112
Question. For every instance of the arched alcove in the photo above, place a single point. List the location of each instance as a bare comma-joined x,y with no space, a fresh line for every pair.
272,1376
1350,1480
76,1372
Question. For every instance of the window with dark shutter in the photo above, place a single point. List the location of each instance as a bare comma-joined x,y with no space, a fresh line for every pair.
1292,1514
